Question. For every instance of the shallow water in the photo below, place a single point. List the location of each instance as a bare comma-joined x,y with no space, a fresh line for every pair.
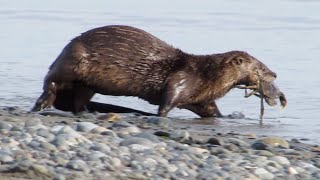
282,34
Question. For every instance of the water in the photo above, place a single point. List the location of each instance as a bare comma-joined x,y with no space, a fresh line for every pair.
282,34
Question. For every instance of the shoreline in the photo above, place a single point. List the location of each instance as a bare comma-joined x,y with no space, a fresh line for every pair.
125,146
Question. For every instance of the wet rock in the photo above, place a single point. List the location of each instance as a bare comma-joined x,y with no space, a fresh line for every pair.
236,115
160,121
259,146
149,136
273,142
85,126
180,135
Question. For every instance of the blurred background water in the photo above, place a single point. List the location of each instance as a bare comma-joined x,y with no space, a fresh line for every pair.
282,34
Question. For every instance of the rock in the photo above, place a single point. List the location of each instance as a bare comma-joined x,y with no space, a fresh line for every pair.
263,153
5,158
122,124
160,121
71,136
236,115
149,136
40,169
95,155
5,125
48,146
196,150
180,135
216,141
292,170
32,122
219,150
273,142
136,140
138,147
162,133
281,160
78,165
85,126
129,131
111,117
259,146
59,141
238,142
45,133
263,174
109,133
98,130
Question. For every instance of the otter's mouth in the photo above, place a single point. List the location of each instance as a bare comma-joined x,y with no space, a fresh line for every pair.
268,91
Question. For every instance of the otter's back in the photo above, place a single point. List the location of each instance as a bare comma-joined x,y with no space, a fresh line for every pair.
121,60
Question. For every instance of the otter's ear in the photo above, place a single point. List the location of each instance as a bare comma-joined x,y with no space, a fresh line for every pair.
237,61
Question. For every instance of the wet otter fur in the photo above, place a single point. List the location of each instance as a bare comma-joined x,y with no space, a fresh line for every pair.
126,61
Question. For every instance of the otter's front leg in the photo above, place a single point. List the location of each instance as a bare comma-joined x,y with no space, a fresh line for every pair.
204,109
47,97
175,93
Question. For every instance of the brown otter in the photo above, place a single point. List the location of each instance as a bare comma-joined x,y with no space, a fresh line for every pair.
126,61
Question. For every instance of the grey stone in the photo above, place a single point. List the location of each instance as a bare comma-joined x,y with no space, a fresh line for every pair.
263,174
160,121
260,146
78,165
45,133
263,153
281,160
95,155
238,142
6,158
59,177
40,169
34,144
149,136
180,135
48,146
136,140
216,141
5,125
32,122
122,124
59,141
85,126
273,142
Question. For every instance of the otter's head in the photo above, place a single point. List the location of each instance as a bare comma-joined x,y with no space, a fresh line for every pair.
250,71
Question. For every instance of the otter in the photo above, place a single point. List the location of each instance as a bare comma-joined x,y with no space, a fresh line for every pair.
126,61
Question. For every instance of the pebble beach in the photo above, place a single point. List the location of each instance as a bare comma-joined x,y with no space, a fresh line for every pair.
58,145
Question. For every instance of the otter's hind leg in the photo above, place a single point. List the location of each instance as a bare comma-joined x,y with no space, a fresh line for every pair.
204,109
73,99
47,98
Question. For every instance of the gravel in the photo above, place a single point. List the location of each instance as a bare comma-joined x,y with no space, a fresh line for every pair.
34,146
